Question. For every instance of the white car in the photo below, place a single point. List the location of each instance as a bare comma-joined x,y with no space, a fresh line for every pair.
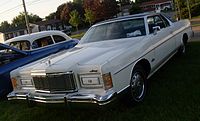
113,56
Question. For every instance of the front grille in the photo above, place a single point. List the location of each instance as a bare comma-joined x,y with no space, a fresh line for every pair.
55,83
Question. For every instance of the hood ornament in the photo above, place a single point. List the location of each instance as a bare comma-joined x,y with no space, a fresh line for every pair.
48,63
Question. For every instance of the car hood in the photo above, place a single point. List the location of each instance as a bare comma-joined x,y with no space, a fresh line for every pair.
96,53
4,46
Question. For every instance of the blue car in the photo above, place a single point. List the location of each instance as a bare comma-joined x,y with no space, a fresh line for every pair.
16,55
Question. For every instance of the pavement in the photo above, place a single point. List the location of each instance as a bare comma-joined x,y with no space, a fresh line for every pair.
196,31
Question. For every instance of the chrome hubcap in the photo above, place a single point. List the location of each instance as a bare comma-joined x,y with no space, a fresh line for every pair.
183,49
137,86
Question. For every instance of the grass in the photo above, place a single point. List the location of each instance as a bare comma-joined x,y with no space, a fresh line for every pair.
194,25
174,95
196,16
78,36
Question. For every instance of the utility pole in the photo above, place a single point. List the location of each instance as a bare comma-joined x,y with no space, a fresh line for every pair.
179,10
188,6
26,18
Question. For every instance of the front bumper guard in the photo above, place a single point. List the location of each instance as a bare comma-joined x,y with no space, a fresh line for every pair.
63,98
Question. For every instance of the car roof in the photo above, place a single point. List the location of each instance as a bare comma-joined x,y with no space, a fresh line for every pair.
34,36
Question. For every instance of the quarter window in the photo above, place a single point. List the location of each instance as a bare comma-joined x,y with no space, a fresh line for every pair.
58,38
42,42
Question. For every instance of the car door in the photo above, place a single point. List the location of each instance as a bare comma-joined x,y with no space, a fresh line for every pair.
164,42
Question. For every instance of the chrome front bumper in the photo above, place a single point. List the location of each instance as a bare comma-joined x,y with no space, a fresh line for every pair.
63,98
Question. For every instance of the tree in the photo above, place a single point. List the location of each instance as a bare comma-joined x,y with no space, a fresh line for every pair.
135,9
141,1
4,25
51,16
59,11
68,8
20,19
89,16
78,2
125,2
74,19
102,9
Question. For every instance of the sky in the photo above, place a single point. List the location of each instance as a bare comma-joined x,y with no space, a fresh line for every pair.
11,8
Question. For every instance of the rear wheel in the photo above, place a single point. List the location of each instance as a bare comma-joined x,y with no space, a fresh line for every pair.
138,85
182,48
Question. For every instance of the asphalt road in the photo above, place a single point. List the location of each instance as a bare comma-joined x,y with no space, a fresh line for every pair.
196,30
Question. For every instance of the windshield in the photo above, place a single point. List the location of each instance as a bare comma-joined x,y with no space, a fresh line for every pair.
115,30
22,45
9,55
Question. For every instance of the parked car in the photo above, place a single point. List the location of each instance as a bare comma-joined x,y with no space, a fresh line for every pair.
112,56
26,49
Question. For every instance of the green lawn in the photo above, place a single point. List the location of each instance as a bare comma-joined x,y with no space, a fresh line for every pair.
78,36
174,95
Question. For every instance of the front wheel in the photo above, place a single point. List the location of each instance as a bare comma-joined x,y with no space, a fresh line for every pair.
138,84
182,49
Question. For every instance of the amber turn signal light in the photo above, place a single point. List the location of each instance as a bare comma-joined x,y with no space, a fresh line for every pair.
107,81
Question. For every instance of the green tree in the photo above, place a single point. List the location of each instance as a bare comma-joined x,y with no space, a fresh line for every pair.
135,8
66,9
4,25
78,1
74,19
51,16
20,19
103,9
89,16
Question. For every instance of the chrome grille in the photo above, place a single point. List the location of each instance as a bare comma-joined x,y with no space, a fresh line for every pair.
55,83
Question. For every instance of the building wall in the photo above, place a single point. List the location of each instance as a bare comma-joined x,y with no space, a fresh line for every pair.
2,39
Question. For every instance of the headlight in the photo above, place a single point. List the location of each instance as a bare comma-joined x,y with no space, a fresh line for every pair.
107,81
91,81
26,82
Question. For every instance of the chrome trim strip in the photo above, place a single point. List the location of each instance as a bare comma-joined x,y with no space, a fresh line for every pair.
162,63
58,98
147,53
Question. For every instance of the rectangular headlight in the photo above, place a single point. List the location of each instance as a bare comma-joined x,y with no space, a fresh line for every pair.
90,81
26,82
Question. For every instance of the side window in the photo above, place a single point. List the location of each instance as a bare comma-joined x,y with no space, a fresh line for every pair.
58,38
155,21
159,22
151,24
42,42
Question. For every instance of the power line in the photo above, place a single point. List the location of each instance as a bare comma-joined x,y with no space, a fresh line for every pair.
13,8
18,6
5,2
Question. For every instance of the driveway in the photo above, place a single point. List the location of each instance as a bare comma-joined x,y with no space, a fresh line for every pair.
196,29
